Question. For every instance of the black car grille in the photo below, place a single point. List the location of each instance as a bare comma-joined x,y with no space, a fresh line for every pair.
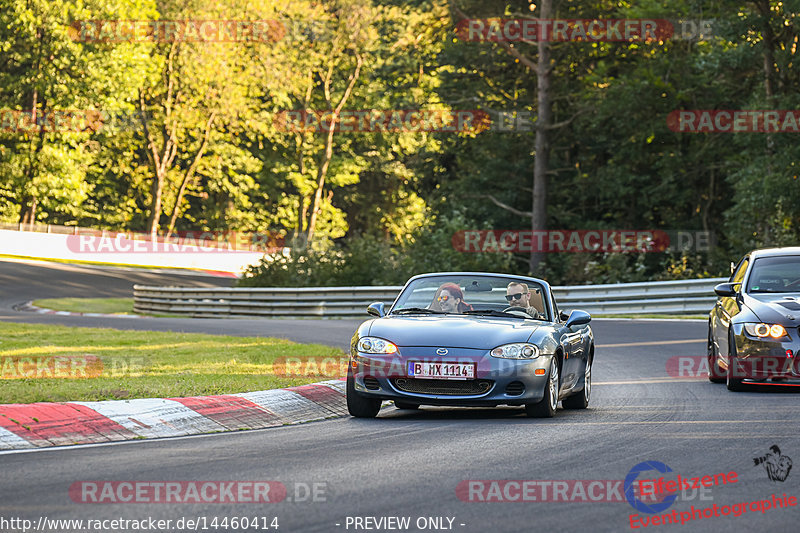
371,383
515,388
472,387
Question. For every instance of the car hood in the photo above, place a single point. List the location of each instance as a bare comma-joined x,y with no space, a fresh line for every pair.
453,331
774,308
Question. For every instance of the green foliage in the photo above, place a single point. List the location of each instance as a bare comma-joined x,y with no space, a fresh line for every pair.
388,203
369,260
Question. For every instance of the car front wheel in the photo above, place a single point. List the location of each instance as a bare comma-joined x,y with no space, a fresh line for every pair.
581,399
733,383
359,406
715,375
546,408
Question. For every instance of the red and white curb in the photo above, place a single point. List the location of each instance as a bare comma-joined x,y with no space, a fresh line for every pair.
39,425
28,307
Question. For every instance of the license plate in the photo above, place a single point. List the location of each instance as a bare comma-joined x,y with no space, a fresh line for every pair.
417,369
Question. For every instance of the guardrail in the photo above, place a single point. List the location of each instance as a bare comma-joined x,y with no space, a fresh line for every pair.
673,297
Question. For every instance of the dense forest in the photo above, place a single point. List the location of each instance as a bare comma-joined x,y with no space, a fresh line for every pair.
108,120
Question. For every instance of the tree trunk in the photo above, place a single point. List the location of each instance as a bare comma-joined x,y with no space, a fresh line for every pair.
156,190
768,39
160,160
27,214
328,155
542,142
188,177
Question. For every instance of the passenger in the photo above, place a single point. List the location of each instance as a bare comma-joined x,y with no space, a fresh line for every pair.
449,299
518,295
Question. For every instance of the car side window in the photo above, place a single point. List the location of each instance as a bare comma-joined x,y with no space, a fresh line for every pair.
556,316
738,274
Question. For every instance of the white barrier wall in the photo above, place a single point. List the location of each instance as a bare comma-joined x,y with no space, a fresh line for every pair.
120,250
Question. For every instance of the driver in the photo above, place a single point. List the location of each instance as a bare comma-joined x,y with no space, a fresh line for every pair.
518,295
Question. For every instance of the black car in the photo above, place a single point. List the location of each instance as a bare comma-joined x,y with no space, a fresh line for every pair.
753,334
461,339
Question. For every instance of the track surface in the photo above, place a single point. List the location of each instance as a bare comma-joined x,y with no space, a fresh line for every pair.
25,281
409,463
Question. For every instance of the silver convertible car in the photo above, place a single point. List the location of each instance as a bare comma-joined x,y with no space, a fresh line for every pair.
471,339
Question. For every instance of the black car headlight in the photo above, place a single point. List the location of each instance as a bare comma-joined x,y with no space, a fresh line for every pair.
761,330
518,350
376,345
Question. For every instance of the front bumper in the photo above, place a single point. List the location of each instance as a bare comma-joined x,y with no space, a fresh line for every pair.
497,381
766,359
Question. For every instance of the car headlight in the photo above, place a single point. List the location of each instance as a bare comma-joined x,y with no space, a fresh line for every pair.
519,350
375,345
776,331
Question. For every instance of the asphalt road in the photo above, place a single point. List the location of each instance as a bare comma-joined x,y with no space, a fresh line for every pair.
409,464
23,281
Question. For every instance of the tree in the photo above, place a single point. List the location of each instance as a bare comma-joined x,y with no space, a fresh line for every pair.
51,77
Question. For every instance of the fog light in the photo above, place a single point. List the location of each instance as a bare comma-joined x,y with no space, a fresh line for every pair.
539,371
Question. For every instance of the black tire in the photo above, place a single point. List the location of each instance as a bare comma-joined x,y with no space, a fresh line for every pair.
404,405
359,406
546,408
580,400
733,384
714,373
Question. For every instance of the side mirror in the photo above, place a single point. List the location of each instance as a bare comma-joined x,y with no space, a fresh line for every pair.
578,318
376,309
727,290
563,316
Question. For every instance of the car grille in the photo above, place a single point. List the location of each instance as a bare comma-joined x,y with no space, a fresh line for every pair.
371,383
515,388
471,387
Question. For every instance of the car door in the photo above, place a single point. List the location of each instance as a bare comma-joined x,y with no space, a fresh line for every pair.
572,341
725,309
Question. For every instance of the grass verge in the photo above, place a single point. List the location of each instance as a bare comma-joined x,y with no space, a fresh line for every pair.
106,306
136,364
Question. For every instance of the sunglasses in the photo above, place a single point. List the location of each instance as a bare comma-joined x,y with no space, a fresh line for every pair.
517,296
443,298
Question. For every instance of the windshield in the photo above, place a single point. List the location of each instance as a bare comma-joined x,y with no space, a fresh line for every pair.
775,274
474,295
